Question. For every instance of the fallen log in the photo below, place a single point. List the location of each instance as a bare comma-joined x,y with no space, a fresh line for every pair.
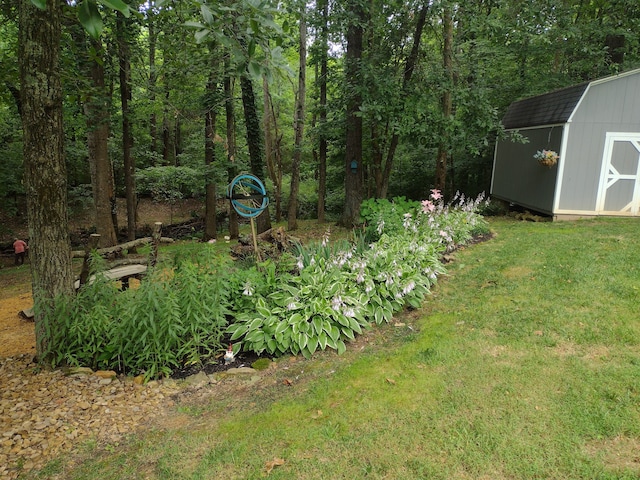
123,246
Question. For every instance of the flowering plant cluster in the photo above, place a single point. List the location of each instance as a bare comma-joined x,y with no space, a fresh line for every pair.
341,288
548,158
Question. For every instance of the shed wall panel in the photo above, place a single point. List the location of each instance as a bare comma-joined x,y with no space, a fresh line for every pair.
519,178
612,106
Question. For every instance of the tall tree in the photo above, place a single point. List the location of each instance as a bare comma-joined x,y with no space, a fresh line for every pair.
353,167
45,170
272,145
254,142
323,8
96,108
231,141
382,170
211,106
447,106
124,36
298,121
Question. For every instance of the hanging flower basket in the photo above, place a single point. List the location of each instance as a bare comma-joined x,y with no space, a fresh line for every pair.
548,158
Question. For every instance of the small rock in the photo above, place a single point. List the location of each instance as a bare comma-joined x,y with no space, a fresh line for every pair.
79,371
197,379
241,371
106,374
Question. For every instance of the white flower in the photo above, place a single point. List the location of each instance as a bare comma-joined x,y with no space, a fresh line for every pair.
336,303
248,289
348,312
291,306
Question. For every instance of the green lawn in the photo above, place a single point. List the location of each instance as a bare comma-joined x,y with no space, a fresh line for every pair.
524,363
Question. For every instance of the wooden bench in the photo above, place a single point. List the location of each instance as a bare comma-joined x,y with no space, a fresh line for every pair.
122,273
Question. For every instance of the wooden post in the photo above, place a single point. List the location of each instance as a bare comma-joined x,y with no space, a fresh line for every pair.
157,228
255,240
92,244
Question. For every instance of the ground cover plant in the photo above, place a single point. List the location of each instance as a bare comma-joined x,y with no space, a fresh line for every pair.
320,299
523,364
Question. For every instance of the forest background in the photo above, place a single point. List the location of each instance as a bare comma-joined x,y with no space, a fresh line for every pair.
330,102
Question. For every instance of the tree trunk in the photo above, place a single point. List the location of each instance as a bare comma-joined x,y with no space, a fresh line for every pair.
167,137
272,147
231,143
124,56
96,109
298,124
210,225
254,136
153,121
447,105
45,171
353,168
323,6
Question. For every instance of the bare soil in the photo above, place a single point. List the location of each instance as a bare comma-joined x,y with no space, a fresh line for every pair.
17,335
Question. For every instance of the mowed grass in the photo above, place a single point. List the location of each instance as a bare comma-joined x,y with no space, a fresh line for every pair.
524,363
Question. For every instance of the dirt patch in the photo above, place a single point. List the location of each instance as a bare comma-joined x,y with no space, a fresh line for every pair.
619,454
17,335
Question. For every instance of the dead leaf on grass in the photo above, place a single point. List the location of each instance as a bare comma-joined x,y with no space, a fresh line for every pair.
391,381
276,462
287,382
317,415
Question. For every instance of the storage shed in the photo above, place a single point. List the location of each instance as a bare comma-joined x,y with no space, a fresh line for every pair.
595,129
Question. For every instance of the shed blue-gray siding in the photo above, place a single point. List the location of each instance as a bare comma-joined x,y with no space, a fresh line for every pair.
600,110
612,106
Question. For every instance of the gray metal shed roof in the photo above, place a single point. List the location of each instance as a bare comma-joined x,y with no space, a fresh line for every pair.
546,109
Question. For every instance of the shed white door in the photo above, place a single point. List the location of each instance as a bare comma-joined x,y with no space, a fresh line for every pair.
619,191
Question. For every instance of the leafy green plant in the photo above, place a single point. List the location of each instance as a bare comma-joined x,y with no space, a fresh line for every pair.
381,215
317,309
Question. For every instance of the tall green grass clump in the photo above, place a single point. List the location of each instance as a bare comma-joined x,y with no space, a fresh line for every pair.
175,318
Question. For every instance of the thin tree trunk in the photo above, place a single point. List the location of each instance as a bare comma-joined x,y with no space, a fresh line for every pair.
210,226
124,54
298,124
272,149
231,143
447,105
45,170
153,76
323,6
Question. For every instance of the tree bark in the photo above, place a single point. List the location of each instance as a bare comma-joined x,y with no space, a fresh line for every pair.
45,170
353,168
298,125
272,147
96,109
231,143
323,6
153,120
124,57
254,136
210,221
447,105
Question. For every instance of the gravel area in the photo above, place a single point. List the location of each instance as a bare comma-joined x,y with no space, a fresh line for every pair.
47,413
